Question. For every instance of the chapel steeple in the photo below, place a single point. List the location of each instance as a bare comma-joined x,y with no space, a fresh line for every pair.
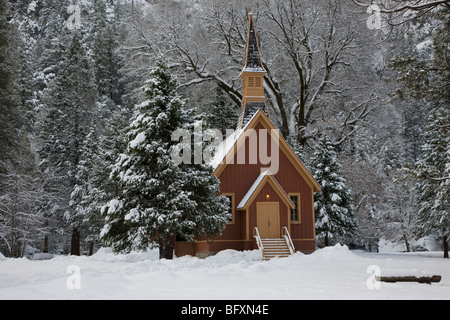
252,77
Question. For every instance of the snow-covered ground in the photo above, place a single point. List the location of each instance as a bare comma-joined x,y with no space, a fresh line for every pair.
329,273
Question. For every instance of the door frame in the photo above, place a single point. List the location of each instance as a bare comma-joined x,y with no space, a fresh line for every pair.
259,203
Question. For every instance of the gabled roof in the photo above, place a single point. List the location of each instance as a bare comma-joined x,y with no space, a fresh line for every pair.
224,148
228,148
263,178
249,109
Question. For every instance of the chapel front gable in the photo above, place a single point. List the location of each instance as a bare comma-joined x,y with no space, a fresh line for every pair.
271,192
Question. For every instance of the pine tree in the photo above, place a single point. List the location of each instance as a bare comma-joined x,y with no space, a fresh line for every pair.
158,199
298,150
9,104
94,188
5,75
67,109
433,177
425,73
53,39
80,201
222,114
107,62
19,182
333,206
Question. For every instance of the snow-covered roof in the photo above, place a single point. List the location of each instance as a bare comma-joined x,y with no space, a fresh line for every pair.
252,69
226,145
255,186
252,189
250,109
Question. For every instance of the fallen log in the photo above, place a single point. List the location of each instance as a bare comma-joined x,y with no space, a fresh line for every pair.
423,279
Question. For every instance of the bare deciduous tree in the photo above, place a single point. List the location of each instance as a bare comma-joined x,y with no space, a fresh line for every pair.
397,12
309,50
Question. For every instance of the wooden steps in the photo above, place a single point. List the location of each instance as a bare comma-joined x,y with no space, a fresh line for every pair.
275,248
278,247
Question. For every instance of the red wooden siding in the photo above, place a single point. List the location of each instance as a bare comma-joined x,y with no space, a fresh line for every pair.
238,178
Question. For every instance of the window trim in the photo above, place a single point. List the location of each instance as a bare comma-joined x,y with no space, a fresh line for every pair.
298,207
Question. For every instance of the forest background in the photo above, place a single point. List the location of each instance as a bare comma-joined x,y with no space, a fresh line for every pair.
375,83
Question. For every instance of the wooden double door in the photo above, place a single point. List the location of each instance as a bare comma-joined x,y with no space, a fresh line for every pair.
268,219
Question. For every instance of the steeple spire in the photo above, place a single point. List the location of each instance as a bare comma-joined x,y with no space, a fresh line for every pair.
253,61
252,77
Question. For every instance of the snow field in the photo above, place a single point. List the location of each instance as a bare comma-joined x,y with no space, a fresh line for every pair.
329,273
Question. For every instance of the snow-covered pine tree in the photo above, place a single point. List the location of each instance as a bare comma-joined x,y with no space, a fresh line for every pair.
333,206
80,200
65,117
53,37
94,188
104,31
222,115
7,107
11,112
20,222
298,150
425,73
434,178
158,199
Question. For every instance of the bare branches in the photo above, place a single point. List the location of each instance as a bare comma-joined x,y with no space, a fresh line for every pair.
352,122
437,179
404,5
306,49
398,12
19,216
317,45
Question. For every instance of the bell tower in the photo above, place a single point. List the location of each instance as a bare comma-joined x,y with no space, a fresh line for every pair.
252,76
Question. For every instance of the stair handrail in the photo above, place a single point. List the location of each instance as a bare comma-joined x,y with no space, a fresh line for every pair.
288,239
258,239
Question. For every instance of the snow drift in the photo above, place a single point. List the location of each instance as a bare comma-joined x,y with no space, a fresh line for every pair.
329,273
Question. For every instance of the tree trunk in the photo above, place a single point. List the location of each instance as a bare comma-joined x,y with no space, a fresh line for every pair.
75,243
91,248
326,240
166,247
45,249
445,243
425,279
406,243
